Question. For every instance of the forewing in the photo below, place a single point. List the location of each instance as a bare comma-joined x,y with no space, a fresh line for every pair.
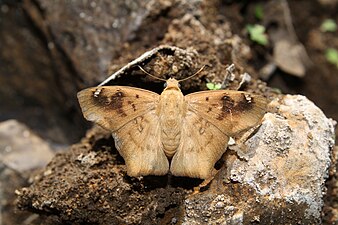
130,114
114,106
230,111
202,144
139,144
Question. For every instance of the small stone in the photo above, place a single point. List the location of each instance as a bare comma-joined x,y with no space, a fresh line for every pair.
219,204
174,220
82,15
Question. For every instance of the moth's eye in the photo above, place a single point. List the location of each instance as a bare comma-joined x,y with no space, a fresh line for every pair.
165,84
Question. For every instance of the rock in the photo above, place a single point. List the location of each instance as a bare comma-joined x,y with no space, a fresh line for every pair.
21,149
33,72
278,177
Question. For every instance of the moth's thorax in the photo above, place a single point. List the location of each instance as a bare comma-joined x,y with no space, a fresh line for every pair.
171,112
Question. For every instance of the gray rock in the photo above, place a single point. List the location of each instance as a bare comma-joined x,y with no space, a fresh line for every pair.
21,149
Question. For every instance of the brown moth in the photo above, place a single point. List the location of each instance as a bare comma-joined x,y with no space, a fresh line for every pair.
192,131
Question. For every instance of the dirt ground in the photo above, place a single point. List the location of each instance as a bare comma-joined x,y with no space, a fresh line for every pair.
45,60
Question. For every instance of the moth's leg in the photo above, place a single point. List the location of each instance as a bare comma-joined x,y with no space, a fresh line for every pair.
248,134
218,177
238,144
206,182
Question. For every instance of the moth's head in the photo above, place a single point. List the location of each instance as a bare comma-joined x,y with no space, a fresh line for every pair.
172,83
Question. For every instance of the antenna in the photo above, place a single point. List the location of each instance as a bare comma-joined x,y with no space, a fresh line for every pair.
193,74
150,74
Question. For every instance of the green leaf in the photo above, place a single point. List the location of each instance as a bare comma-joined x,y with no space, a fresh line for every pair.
212,86
257,34
331,55
259,13
218,86
329,25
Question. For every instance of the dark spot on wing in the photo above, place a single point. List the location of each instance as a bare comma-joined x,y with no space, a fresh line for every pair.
207,99
209,109
129,102
137,96
113,102
134,107
230,106
227,105
246,103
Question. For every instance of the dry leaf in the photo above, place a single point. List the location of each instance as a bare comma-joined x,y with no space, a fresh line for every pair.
192,130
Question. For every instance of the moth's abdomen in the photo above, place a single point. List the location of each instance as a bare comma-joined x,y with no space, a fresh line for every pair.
171,138
171,117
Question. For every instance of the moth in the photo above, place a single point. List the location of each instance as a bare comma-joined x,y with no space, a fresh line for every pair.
185,135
